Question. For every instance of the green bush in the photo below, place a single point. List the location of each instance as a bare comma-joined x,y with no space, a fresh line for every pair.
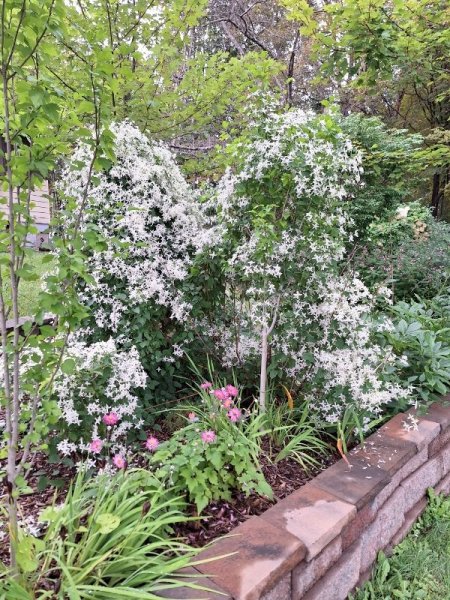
391,171
212,456
411,264
421,338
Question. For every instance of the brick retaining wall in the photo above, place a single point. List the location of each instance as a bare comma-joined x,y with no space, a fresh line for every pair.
320,542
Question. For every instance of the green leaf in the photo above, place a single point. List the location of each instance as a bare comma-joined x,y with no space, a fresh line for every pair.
108,522
68,366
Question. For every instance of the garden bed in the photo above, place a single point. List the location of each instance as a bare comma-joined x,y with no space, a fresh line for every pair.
321,541
218,519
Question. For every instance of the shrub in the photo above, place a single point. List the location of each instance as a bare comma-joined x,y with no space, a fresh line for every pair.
289,305
98,380
152,226
409,254
421,339
391,170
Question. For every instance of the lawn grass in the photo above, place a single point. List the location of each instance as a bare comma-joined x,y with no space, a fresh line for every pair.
29,290
419,568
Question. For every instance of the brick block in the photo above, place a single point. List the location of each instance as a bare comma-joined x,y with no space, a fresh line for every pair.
416,485
387,522
440,442
410,467
358,525
437,412
281,591
306,574
356,484
445,455
253,559
422,436
384,453
443,487
340,579
191,575
313,515
410,518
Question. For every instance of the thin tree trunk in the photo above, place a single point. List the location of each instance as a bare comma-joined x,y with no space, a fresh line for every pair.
263,372
436,195
12,397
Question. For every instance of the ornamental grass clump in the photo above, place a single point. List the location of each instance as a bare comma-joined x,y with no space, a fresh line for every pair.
112,537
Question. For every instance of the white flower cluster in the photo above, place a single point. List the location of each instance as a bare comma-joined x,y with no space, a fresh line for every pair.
285,206
151,220
103,381
343,365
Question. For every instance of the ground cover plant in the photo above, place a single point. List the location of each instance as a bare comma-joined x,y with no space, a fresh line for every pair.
248,268
418,566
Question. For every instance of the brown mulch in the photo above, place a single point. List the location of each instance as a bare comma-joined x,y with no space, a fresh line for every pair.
221,517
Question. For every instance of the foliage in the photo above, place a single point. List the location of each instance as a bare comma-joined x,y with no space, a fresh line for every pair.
391,171
111,538
415,263
216,453
166,76
285,224
420,338
418,568
153,227
37,124
396,51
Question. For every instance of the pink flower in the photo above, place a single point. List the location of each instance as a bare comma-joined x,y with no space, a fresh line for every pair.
208,436
206,385
110,419
221,394
228,403
152,443
192,417
96,446
119,461
234,414
232,391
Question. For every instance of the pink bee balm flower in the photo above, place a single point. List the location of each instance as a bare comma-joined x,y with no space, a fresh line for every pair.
232,391
208,436
234,414
206,385
221,394
96,446
152,443
119,461
110,419
192,417
228,403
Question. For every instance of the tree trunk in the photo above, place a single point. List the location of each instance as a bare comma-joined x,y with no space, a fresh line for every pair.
263,372
436,196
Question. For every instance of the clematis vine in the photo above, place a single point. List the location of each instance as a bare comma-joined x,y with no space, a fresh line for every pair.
286,230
